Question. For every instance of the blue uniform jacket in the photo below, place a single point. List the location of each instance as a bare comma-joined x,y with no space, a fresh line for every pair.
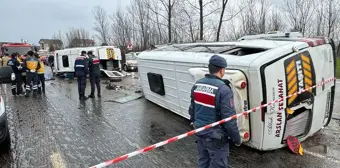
211,101
14,63
81,66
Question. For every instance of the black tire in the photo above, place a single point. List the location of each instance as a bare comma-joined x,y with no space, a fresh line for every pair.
6,144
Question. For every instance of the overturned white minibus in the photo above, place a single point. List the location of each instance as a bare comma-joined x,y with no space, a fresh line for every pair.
261,70
110,57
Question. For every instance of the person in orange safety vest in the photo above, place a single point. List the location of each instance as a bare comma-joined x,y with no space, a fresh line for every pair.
31,64
41,75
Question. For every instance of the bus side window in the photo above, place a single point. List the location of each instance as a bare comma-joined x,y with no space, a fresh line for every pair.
65,61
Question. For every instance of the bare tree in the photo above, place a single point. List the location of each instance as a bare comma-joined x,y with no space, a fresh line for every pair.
121,28
78,37
332,16
169,8
101,24
300,13
275,21
201,18
224,4
61,37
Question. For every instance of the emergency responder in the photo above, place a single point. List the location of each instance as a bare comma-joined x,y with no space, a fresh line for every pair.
5,59
81,70
211,101
21,59
16,67
94,69
32,65
41,75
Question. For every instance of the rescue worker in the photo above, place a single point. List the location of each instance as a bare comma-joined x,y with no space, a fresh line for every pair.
211,101
41,75
32,65
16,67
81,70
5,59
94,69
21,59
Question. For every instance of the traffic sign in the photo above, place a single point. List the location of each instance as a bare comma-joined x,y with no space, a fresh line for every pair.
129,46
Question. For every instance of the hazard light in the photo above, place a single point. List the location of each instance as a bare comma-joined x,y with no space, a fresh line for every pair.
243,85
246,135
313,42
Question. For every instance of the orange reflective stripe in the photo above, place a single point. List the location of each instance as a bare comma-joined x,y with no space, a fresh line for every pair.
42,68
31,65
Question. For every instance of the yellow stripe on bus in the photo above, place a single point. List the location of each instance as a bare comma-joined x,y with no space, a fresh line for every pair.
308,86
306,66
305,58
308,74
293,90
291,83
291,75
308,81
290,66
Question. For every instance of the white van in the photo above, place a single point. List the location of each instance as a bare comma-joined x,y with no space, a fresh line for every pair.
110,57
261,70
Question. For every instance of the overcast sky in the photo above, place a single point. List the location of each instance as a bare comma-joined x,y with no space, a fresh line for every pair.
35,19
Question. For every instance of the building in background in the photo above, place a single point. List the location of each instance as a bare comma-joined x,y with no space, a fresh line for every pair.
50,44
77,42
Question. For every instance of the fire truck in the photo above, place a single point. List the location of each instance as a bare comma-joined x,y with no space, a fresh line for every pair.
21,48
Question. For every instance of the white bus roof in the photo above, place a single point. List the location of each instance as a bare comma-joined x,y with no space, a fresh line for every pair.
201,52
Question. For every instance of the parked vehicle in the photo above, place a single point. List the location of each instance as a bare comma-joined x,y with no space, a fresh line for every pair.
261,69
21,48
131,62
6,76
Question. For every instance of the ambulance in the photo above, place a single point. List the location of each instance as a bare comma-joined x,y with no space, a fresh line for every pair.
260,69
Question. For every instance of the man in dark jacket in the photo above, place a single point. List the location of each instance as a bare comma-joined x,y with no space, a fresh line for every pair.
211,101
81,70
16,67
94,68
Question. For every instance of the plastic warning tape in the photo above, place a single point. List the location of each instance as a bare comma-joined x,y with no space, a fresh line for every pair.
176,138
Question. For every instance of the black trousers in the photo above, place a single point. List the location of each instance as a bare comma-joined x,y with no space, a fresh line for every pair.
31,77
41,82
17,84
81,85
95,81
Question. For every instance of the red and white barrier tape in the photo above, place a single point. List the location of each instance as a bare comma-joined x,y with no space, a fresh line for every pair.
176,138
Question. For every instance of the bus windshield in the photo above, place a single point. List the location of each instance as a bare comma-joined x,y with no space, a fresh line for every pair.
20,50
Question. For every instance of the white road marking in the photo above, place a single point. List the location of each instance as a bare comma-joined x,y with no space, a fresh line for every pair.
57,160
321,156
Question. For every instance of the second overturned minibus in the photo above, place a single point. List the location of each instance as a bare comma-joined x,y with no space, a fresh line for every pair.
261,70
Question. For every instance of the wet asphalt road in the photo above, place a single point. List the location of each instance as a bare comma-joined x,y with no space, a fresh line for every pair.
56,130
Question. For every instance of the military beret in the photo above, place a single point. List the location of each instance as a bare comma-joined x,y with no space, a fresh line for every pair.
218,61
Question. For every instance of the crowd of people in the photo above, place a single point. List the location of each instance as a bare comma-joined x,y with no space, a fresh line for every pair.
29,73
